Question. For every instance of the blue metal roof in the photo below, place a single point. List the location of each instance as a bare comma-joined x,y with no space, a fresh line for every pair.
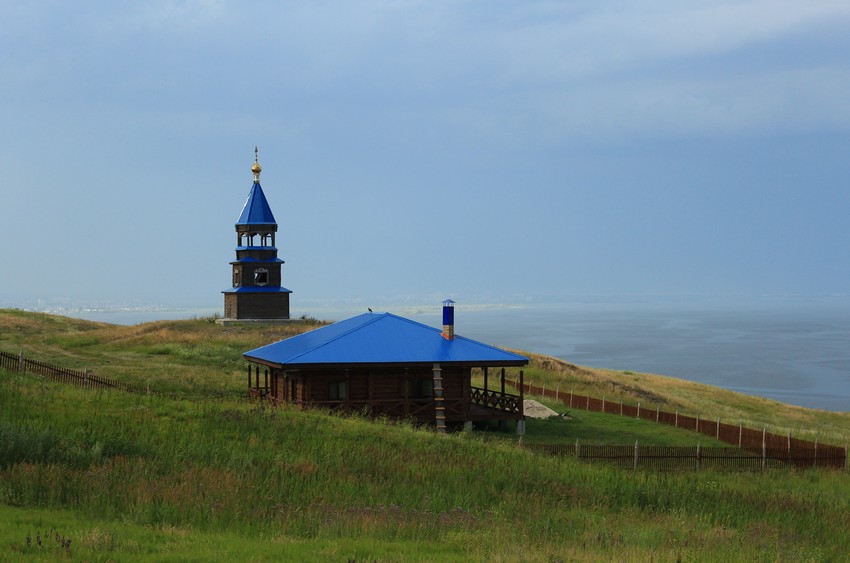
258,260
256,210
257,289
380,338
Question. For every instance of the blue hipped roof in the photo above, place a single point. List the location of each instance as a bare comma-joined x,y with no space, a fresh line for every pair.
258,260
380,338
257,289
256,210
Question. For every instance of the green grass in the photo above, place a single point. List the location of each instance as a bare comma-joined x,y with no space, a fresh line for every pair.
597,428
131,477
193,357
94,539
142,477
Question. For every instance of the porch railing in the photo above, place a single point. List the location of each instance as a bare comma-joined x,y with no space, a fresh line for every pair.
496,400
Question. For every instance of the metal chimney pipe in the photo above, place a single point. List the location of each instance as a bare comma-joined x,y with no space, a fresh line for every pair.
448,319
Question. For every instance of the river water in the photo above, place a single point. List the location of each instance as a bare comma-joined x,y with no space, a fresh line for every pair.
795,354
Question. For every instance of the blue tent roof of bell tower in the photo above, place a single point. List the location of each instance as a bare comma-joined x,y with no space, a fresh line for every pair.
256,209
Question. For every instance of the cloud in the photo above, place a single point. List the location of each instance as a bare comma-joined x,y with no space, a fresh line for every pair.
612,38
180,14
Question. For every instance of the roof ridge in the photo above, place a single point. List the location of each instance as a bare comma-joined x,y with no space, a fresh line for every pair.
342,334
456,336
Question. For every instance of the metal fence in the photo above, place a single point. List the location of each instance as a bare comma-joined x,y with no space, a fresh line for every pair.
758,448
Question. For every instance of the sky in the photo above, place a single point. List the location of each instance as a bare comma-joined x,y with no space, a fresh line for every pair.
479,150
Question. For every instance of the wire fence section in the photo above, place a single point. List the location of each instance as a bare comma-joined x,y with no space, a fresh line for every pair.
81,378
753,448
683,458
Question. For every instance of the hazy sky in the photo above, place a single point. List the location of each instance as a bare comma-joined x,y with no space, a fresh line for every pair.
474,149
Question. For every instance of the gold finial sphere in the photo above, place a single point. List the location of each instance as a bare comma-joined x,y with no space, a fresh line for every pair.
256,169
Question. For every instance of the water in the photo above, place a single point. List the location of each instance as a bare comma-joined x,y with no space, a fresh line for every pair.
793,352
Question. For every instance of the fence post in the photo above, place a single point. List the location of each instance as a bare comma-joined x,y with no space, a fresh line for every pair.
697,423
638,414
657,414
718,428
764,449
578,449
603,403
636,455
677,418
557,390
21,361
571,398
543,392
740,433
621,408
789,447
699,456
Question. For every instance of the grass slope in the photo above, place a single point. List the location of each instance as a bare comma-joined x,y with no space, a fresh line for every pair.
149,478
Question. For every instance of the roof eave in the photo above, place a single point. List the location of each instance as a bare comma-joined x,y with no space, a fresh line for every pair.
348,365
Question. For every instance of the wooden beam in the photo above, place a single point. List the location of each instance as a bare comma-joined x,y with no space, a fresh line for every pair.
439,407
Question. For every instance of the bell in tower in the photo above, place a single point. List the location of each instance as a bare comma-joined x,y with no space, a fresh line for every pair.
256,293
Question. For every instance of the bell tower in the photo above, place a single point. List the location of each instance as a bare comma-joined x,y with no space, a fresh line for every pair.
256,293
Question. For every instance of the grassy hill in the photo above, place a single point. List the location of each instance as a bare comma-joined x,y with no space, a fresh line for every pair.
129,477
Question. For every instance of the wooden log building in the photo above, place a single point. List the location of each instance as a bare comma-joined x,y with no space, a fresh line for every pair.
388,365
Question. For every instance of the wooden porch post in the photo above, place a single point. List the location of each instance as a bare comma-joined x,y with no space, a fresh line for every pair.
485,378
521,387
520,425
503,381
